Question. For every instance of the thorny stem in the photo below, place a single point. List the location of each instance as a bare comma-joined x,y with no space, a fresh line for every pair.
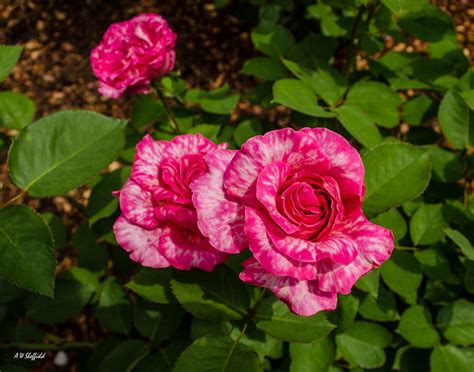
169,113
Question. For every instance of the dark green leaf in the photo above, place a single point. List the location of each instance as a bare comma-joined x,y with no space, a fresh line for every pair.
385,111
273,317
456,321
16,110
461,241
429,23
394,221
449,358
394,174
56,225
9,55
419,109
315,356
404,6
125,356
381,309
26,250
274,41
447,166
217,355
114,310
417,328
434,264
73,290
426,225
220,101
147,110
402,274
63,150
264,68
219,295
91,255
153,285
298,96
369,282
359,125
362,344
247,129
456,120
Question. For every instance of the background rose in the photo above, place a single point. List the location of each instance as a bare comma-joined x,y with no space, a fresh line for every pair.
302,195
133,53
158,222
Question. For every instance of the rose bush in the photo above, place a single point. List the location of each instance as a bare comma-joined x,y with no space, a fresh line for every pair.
342,147
132,53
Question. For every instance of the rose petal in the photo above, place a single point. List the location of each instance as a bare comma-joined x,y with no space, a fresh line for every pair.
219,218
185,249
302,297
147,159
189,144
346,164
142,244
136,204
375,246
263,249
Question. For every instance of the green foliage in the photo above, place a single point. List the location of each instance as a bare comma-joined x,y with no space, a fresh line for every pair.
410,116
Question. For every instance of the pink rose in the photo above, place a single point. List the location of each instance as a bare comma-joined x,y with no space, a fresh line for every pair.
158,225
296,197
133,53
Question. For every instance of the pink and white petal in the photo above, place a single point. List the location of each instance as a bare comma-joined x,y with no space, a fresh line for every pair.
268,183
142,244
136,204
302,297
259,151
339,248
147,160
185,249
263,249
346,164
375,247
189,144
334,277
220,219
295,248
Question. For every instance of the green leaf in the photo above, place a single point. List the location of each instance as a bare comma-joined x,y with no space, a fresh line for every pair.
468,98
153,285
264,68
8,292
358,124
274,318
274,41
409,358
362,344
404,6
394,174
102,203
220,101
346,311
298,96
26,250
429,23
314,50
381,309
247,129
434,264
207,130
219,295
156,322
426,225
73,290
315,356
125,356
456,321
385,111
330,25
56,225
447,166
147,110
461,241
456,120
419,109
9,56
91,255
369,283
402,274
449,358
114,310
327,84
417,328
394,221
63,150
217,354
16,110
